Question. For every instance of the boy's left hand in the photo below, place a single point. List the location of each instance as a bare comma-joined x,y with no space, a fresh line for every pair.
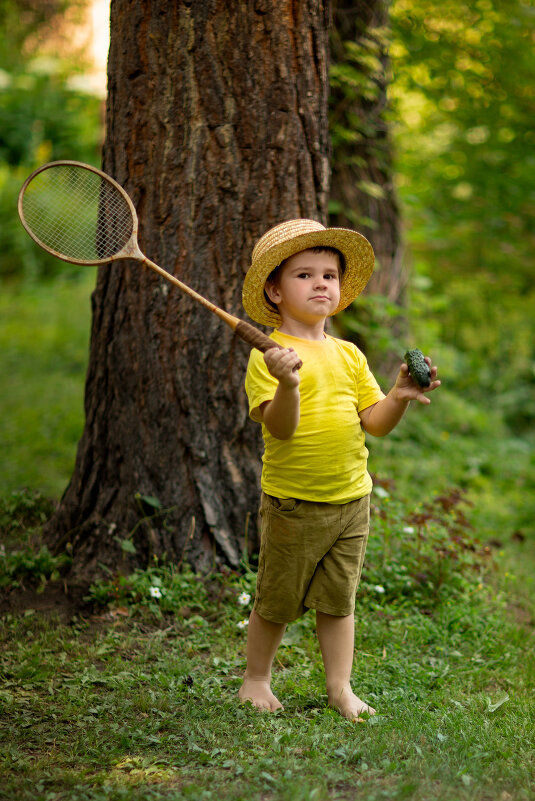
406,388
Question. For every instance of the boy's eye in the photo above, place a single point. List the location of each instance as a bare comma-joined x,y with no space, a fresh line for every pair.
327,276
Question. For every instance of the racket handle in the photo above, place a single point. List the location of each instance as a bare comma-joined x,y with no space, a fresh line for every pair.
257,339
254,337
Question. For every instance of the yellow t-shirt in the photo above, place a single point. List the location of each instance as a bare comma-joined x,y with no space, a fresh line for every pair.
326,458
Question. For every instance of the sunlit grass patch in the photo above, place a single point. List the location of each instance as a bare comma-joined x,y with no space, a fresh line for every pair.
44,336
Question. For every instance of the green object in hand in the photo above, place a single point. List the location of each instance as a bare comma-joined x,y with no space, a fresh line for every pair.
418,367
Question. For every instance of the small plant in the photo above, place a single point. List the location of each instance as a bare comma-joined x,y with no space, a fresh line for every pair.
23,556
27,563
167,590
425,554
23,510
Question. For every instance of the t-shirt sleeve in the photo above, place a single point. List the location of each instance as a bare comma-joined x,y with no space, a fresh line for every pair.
369,391
260,385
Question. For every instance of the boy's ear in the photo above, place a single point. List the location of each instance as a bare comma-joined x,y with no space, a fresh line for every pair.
272,291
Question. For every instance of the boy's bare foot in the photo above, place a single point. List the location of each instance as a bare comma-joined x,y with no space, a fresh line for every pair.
258,692
349,705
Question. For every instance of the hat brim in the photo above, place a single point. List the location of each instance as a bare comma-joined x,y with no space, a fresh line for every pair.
359,263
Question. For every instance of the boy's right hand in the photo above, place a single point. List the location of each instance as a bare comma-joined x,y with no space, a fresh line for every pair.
283,364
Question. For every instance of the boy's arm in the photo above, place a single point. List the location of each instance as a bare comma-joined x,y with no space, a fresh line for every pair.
281,414
383,416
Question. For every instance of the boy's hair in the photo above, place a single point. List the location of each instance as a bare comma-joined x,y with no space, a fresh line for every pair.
272,277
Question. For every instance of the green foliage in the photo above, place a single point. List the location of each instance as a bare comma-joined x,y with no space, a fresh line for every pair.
19,255
28,563
41,119
22,555
163,590
24,24
23,510
457,443
44,116
463,92
462,108
422,554
358,75
426,554
44,338
371,321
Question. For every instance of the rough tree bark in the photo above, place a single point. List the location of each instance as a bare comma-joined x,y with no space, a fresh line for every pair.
362,192
217,128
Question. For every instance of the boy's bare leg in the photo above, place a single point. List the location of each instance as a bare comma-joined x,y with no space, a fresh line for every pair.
337,640
263,639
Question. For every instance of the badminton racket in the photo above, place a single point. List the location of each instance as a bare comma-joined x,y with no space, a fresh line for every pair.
80,215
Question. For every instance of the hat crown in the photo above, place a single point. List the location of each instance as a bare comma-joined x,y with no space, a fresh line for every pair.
282,233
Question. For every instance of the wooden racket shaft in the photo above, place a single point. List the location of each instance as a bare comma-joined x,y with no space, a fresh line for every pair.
81,215
253,336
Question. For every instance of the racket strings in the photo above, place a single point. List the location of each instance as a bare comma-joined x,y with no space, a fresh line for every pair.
77,213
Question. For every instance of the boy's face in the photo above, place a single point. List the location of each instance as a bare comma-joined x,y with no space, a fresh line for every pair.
307,287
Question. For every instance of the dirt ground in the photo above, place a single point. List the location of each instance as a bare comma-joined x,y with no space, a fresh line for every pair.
57,599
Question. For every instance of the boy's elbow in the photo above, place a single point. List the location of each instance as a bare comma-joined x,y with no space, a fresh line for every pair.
282,435
281,427
377,432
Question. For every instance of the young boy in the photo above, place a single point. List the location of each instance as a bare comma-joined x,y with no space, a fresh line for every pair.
315,485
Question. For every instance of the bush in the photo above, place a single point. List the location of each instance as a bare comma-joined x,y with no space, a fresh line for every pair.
28,563
22,511
167,590
41,119
22,555
422,556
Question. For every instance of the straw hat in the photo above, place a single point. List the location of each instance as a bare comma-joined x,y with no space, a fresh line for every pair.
289,238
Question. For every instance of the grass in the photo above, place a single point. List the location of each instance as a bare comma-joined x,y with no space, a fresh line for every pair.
44,336
127,704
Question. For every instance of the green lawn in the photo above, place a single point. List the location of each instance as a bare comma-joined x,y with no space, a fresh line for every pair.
118,706
44,336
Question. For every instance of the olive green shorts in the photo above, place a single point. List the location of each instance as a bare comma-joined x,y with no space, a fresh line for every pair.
311,557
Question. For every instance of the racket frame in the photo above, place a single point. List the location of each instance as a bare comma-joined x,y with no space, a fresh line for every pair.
130,250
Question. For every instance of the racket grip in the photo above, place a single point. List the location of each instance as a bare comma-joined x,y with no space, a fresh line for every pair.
256,338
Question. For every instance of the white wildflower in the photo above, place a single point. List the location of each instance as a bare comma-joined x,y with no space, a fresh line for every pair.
155,592
408,529
381,492
379,588
243,624
244,599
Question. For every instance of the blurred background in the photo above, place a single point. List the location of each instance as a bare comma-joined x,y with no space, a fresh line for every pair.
460,107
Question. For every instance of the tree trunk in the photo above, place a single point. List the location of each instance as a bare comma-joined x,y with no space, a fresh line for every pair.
362,192
217,128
